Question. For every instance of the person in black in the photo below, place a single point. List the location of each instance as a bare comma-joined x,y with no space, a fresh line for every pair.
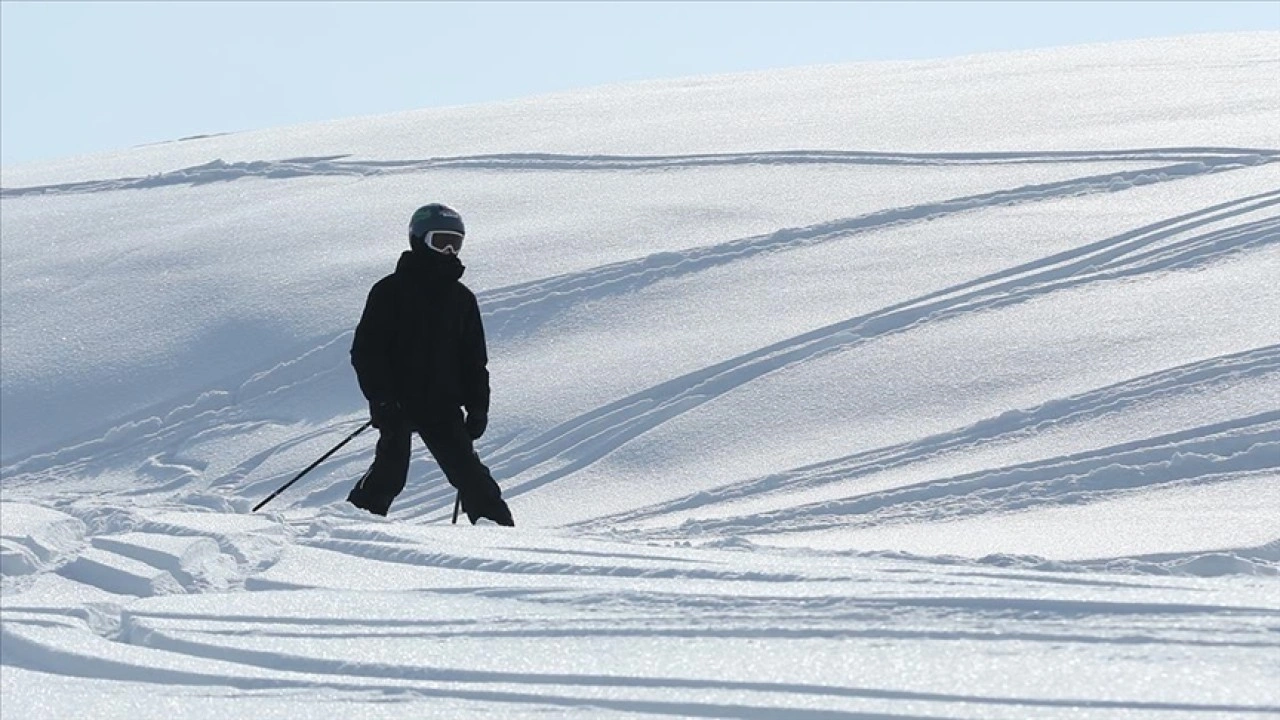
420,358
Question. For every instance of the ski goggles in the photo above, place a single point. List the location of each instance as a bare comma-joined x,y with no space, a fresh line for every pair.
447,242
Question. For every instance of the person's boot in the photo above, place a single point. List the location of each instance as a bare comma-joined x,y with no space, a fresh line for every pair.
372,503
501,514
495,511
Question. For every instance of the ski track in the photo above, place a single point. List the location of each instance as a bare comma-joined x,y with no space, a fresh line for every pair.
140,644
1158,247
1194,377
145,444
1202,455
130,641
337,165
232,668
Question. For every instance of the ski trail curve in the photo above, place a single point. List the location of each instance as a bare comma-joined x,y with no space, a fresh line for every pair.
1088,406
338,165
1199,455
578,443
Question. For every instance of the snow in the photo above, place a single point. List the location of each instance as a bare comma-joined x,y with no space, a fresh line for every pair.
929,389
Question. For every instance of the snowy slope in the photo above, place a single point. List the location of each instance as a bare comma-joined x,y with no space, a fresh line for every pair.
931,389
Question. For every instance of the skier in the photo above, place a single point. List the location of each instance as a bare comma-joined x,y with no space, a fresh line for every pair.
420,358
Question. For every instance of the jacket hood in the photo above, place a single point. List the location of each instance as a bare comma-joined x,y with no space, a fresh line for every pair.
430,267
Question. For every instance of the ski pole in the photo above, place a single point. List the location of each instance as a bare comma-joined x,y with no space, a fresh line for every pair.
312,466
457,503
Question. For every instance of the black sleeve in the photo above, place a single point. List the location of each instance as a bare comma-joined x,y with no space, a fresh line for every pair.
373,344
475,360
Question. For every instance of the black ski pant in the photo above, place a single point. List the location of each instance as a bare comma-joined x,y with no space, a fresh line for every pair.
446,438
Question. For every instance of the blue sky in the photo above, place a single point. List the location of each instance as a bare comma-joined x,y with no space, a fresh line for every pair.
86,77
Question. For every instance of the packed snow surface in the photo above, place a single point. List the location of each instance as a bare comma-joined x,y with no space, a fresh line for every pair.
943,389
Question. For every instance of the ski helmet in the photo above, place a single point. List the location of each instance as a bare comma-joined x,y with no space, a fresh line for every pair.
430,219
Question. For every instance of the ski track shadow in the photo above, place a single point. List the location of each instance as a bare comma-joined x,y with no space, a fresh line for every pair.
1091,405
1202,455
34,645
579,442
584,440
337,165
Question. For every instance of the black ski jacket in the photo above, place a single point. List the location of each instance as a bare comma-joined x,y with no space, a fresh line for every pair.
420,341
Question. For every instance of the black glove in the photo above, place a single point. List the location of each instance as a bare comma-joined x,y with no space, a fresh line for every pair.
385,414
476,423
